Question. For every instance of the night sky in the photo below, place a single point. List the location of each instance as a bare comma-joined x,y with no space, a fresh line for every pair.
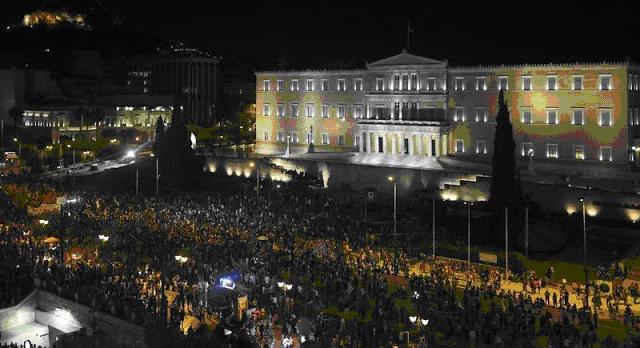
349,33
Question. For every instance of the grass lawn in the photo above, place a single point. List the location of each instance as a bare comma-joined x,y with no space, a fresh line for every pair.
572,272
612,327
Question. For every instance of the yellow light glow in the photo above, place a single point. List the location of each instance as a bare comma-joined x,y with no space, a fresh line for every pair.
570,208
212,167
229,171
633,214
592,210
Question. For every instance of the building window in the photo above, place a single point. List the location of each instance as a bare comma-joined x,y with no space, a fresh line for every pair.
481,83
577,83
481,115
325,85
578,117
552,150
551,82
294,110
414,82
503,83
357,85
294,137
310,86
325,111
357,111
527,149
431,84
379,84
459,86
280,136
552,116
341,111
280,110
266,136
396,83
280,85
356,141
405,82
458,116
481,147
294,85
605,118
526,83
341,140
605,153
266,85
527,117
578,152
266,111
325,139
310,110
605,82
342,85
459,145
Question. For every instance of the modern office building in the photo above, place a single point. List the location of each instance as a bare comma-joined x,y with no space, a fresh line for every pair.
407,105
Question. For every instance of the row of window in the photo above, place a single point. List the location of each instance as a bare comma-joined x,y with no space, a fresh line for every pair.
526,149
526,116
310,85
293,137
577,83
410,82
310,110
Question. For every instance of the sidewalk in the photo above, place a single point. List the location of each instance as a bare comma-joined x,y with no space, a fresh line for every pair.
508,285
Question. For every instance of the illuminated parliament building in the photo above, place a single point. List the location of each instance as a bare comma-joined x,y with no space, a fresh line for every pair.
407,105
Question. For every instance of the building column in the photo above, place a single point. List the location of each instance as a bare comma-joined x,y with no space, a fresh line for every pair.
393,143
437,139
384,142
420,144
445,145
362,138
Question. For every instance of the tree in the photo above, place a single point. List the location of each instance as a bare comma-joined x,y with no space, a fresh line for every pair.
505,184
159,129
176,157
16,114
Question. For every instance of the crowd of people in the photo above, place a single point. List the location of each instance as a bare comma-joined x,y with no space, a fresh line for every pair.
296,252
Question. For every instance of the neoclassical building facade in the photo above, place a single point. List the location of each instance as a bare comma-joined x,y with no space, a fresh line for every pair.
407,105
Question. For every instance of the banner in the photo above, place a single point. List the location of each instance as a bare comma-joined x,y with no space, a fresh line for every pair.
487,257
243,305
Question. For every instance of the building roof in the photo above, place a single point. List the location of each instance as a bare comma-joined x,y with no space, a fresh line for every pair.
405,58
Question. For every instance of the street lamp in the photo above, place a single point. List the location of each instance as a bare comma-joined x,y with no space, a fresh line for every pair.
251,164
584,236
468,204
15,140
392,179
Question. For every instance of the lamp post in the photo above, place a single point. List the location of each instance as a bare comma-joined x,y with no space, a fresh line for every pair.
506,243
392,179
584,236
468,204
157,176
252,165
433,228
15,140
526,231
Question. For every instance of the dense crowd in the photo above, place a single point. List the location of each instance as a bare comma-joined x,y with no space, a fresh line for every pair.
299,256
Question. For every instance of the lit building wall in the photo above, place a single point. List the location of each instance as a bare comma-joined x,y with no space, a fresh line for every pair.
587,112
571,119
332,113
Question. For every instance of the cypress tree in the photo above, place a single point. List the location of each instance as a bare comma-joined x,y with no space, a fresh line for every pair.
505,184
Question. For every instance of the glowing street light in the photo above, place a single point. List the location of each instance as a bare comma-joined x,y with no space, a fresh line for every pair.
395,194
103,238
131,154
